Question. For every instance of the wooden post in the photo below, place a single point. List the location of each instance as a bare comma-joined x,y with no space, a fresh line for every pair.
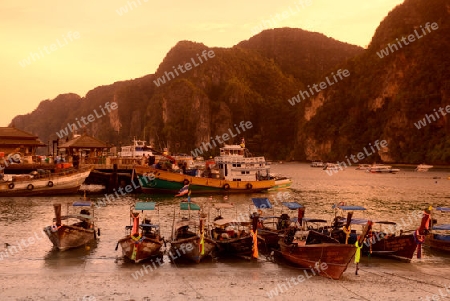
115,175
57,208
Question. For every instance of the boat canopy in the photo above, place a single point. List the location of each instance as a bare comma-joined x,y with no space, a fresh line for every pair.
82,204
145,206
292,205
443,209
262,203
344,207
189,206
442,227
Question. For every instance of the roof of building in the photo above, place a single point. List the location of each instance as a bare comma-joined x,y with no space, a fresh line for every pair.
84,141
14,136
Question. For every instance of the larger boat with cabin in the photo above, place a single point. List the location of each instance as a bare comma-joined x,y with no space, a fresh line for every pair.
233,171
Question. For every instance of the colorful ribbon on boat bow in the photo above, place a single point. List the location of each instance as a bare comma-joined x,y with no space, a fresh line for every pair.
255,243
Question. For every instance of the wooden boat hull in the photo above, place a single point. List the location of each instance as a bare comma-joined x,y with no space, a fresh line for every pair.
268,240
68,237
189,248
433,241
140,250
400,247
68,183
336,256
242,246
170,182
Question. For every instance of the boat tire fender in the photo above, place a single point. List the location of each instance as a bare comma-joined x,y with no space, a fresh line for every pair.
226,186
249,186
50,184
11,185
30,187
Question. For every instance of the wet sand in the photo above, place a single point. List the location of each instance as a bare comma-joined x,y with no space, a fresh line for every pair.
379,279
37,273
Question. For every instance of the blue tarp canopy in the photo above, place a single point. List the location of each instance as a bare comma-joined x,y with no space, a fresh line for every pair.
443,209
82,204
262,203
351,207
189,206
442,227
292,205
145,206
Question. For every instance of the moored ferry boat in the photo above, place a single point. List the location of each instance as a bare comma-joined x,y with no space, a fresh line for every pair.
233,171
66,180
137,150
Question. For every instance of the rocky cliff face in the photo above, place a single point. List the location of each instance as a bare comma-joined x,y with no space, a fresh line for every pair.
383,98
386,96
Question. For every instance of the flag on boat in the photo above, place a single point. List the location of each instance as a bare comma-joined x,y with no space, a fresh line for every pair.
183,190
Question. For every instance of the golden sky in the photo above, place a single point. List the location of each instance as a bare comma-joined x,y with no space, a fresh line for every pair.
51,47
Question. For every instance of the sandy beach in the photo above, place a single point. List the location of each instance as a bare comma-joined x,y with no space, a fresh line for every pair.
379,279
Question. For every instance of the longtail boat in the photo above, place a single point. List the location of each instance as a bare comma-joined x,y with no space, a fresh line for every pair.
190,239
379,242
142,241
438,239
235,237
73,234
310,248
271,226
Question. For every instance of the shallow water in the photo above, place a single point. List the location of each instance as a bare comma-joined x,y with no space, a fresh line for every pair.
386,196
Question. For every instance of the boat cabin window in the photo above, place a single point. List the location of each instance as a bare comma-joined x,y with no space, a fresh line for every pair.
236,180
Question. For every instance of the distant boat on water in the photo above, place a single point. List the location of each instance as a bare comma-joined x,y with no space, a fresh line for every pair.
317,163
332,166
423,167
381,168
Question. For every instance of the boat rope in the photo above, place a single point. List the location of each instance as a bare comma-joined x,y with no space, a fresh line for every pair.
358,295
